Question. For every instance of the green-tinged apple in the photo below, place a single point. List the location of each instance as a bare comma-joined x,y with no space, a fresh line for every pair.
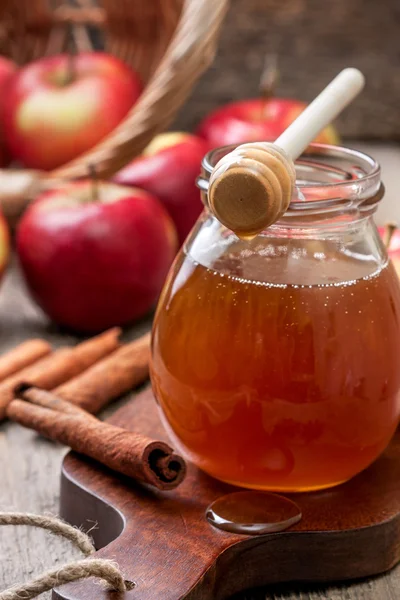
255,120
7,69
168,168
61,106
96,255
390,235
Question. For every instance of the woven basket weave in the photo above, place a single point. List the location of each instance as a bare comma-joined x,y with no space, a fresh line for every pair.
169,42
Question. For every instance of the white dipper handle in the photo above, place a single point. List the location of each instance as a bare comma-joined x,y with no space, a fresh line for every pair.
251,187
330,102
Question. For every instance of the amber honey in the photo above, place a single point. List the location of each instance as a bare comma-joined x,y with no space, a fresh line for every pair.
279,374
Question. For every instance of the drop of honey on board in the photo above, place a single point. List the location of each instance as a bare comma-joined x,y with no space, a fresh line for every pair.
253,513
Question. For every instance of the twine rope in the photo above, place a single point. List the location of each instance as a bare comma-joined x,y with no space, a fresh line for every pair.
80,569
54,525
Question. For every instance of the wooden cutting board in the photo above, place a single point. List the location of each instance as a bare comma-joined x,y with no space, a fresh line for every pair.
163,543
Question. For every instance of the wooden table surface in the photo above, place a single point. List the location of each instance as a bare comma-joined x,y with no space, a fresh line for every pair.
30,466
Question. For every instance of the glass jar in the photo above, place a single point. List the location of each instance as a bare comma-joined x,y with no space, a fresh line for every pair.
275,360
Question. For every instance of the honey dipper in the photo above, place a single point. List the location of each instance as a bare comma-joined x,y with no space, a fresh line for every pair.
251,187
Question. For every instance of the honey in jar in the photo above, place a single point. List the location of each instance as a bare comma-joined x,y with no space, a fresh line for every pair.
275,359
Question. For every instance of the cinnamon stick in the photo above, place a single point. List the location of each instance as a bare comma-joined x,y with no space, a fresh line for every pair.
41,397
23,355
60,366
109,378
131,454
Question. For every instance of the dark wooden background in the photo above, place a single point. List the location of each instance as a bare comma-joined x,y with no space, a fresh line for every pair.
314,40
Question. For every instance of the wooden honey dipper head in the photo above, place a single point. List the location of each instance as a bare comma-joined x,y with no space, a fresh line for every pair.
251,187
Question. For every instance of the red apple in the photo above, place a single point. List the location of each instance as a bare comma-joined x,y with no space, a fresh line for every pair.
168,169
391,238
60,106
94,262
255,120
7,69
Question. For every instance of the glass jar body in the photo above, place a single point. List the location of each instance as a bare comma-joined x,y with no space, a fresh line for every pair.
275,360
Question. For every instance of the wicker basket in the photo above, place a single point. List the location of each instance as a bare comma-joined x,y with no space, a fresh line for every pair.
169,42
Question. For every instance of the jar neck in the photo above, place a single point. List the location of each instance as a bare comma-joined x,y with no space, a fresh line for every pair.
320,228
346,216
332,229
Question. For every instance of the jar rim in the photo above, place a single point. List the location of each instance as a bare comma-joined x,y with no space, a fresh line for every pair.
329,178
214,155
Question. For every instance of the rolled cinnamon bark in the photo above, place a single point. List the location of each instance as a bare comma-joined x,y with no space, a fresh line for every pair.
60,366
40,397
131,454
23,355
110,377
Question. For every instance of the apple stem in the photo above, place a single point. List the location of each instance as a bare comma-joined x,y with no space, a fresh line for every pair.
268,81
390,228
70,74
95,183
